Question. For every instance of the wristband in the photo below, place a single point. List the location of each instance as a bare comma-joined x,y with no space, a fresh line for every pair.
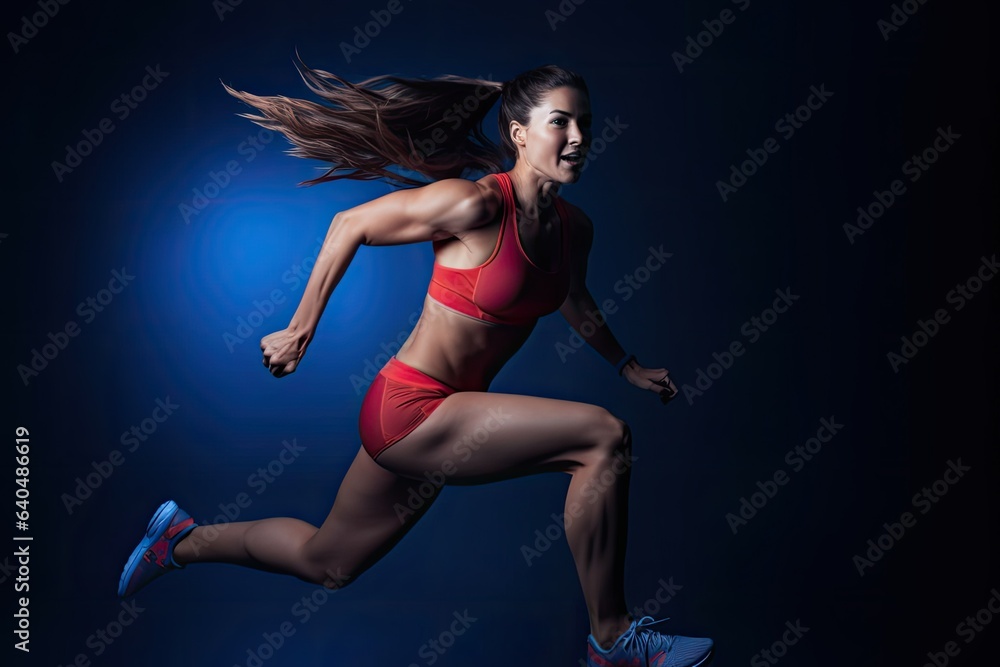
620,366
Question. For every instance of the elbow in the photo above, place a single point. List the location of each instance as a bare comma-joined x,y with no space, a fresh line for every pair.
570,307
579,296
340,220
342,238
353,228
344,229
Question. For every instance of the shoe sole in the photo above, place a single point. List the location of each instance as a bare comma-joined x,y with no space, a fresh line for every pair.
705,660
155,528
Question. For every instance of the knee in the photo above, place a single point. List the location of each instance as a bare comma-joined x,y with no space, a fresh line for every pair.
326,569
331,577
335,579
612,437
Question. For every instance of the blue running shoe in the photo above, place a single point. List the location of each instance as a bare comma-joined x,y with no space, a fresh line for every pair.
640,647
155,554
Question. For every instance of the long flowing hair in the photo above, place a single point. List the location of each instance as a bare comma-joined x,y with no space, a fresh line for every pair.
431,127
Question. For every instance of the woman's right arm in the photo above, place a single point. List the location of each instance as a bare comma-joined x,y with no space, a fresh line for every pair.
436,211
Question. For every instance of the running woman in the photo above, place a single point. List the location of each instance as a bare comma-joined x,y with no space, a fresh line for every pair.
508,250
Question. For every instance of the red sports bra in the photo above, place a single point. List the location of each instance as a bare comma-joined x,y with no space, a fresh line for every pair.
507,288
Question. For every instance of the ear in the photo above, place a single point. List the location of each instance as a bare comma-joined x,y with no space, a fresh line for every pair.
517,133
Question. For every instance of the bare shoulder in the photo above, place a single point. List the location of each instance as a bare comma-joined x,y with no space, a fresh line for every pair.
463,204
438,210
491,197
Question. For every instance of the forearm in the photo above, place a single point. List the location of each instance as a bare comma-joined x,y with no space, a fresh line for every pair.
339,247
597,333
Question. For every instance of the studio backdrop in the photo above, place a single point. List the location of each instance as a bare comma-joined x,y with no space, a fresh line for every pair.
793,212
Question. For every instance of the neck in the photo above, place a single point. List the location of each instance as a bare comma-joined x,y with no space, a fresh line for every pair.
532,190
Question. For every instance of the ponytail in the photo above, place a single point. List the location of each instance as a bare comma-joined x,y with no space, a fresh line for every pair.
429,126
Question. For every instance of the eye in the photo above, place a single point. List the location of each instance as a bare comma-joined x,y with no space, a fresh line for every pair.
559,120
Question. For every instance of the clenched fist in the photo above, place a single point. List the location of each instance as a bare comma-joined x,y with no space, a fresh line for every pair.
283,350
654,379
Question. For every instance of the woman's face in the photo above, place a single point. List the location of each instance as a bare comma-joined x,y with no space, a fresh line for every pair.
557,137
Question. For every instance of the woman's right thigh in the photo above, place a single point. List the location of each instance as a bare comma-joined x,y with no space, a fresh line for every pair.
474,437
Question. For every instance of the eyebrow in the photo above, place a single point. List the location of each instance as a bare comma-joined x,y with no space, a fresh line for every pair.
585,115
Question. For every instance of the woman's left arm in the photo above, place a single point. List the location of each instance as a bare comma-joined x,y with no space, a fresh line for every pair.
579,308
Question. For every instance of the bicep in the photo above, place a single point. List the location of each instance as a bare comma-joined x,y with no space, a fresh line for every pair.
435,211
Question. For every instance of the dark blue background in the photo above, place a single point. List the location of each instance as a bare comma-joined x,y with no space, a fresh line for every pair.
655,184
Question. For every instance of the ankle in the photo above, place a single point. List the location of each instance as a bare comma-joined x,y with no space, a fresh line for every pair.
185,549
608,632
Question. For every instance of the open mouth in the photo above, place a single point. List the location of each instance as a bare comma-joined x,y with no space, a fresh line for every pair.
575,158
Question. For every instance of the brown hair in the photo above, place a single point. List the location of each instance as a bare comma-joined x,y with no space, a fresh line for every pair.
432,127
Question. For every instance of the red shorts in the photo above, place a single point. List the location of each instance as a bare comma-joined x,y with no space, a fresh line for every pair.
399,399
